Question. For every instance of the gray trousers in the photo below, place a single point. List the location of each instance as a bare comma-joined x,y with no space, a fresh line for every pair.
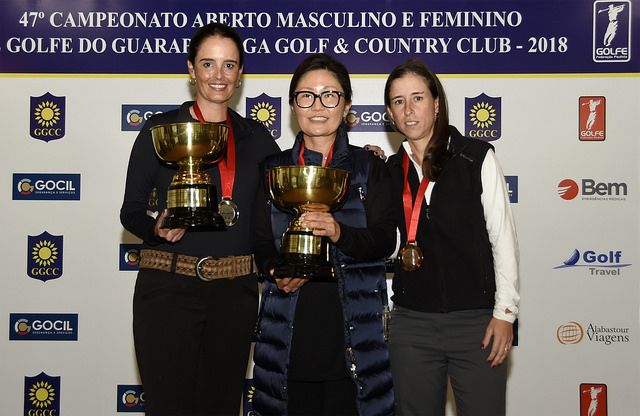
428,349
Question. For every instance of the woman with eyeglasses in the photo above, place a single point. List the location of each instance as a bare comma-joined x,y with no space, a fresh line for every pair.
320,347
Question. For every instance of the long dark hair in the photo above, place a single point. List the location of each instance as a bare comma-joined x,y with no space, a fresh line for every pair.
438,151
322,61
215,29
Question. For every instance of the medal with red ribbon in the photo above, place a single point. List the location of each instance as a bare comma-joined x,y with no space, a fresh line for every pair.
226,208
410,256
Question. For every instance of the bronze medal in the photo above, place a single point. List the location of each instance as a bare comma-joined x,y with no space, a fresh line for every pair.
229,211
410,257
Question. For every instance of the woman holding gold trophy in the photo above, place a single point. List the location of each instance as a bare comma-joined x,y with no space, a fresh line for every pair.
196,295
320,347
455,287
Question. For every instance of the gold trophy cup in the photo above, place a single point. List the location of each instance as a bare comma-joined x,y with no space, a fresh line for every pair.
192,198
300,189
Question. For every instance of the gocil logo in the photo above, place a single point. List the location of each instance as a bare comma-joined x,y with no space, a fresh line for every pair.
570,333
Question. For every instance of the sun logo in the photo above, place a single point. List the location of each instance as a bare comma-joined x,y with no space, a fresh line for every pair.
47,114
264,113
45,253
482,115
41,394
250,394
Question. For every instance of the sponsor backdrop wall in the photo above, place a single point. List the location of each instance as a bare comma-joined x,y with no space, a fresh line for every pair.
553,85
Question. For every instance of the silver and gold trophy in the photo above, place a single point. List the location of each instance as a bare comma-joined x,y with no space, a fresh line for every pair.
300,189
192,198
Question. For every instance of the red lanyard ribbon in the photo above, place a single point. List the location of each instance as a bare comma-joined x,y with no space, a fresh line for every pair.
301,155
228,168
412,213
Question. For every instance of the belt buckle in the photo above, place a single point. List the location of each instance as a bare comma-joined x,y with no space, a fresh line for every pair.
201,260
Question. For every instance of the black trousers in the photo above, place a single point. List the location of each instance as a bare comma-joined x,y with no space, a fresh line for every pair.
192,341
332,397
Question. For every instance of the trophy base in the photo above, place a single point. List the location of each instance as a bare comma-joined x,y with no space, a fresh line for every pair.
201,219
304,265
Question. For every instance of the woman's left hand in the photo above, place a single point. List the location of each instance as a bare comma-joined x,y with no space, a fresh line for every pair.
502,333
323,224
377,150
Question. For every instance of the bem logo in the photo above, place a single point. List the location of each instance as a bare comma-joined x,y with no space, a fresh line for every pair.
42,395
46,186
368,118
483,117
44,256
570,333
593,399
266,110
129,256
592,118
130,398
568,189
134,115
47,117
612,31
43,327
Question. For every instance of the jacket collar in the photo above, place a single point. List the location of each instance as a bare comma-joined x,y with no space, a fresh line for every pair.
340,150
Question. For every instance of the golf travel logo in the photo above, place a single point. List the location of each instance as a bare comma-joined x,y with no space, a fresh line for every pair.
606,263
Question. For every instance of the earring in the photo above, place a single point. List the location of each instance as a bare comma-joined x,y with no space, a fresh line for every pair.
238,84
192,81
437,114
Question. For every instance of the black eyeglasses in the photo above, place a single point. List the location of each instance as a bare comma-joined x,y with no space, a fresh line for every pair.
306,99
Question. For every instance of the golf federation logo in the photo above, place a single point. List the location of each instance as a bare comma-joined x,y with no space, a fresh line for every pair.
47,116
592,118
266,110
593,399
612,31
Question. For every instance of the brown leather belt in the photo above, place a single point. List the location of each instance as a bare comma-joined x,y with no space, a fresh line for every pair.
206,268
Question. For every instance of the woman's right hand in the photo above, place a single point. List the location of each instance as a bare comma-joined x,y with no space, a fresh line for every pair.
172,235
290,284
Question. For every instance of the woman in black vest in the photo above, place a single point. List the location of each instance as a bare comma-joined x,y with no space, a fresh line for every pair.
455,287
320,348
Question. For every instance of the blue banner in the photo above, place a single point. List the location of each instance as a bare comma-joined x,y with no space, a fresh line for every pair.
370,37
